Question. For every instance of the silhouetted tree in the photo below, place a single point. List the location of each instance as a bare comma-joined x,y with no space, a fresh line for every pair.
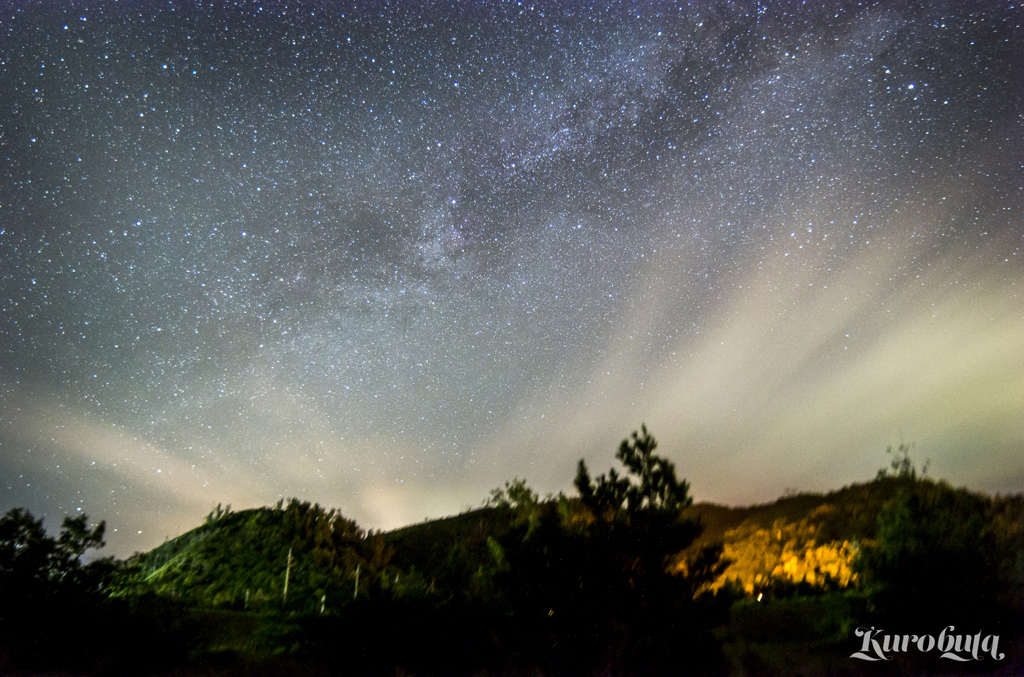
46,588
937,556
596,571
656,487
25,549
639,514
515,494
901,467
33,562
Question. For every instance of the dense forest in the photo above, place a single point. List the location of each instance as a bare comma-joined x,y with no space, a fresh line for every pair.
626,576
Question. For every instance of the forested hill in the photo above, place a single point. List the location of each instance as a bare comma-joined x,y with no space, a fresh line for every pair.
817,535
850,513
532,584
240,559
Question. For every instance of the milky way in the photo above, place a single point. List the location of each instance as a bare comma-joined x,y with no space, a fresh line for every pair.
387,257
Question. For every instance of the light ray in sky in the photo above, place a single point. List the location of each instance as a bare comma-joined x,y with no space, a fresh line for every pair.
388,258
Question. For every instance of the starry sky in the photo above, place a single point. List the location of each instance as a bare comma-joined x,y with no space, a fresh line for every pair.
386,256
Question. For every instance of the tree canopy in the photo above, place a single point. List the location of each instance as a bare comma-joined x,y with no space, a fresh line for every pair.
33,562
650,483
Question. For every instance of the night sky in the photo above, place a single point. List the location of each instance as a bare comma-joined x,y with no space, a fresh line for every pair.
387,256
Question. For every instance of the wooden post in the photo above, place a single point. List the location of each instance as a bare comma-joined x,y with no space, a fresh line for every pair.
287,573
356,591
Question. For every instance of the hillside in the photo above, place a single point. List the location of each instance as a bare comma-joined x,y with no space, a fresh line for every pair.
856,505
808,539
239,559
528,586
242,560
